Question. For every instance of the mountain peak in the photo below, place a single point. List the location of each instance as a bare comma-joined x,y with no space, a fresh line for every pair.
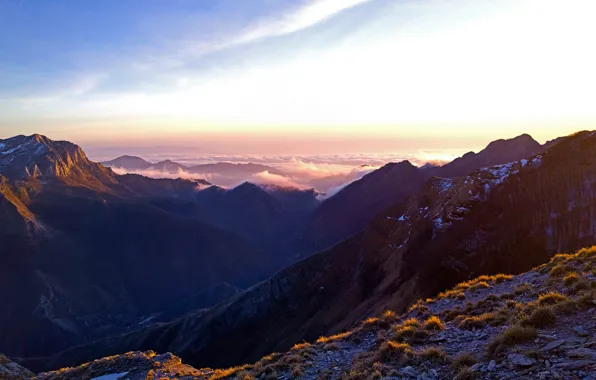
23,157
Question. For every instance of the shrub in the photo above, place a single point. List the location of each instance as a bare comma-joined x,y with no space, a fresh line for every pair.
223,373
393,351
389,316
464,360
542,316
411,322
409,334
465,373
433,323
300,346
479,285
432,354
551,298
570,279
560,270
512,335
327,339
477,321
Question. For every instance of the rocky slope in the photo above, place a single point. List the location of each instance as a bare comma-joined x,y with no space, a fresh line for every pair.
537,325
507,219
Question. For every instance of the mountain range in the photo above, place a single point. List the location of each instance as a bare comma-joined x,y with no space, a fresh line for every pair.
97,254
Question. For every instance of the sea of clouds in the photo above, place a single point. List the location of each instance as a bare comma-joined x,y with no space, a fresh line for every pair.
326,173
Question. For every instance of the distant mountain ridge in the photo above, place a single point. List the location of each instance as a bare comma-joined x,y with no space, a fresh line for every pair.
134,163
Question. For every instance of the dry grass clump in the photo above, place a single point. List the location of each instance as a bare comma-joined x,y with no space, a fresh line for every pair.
433,354
512,335
300,346
433,324
464,360
552,298
479,285
560,270
393,351
419,308
465,373
332,338
410,334
411,322
570,279
540,317
223,373
477,321
586,253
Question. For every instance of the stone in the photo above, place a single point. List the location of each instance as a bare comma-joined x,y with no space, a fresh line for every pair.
582,353
581,331
521,360
476,367
491,366
576,364
552,345
408,371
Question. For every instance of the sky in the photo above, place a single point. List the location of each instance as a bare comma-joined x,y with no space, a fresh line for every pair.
296,76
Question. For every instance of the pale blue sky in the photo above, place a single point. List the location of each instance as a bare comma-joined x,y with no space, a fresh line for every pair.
213,70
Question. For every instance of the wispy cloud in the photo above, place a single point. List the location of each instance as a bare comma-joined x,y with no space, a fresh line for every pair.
303,17
85,83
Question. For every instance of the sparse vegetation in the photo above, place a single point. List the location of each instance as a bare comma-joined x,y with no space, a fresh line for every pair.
512,335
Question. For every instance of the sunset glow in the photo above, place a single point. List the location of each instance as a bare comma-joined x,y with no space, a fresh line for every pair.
359,70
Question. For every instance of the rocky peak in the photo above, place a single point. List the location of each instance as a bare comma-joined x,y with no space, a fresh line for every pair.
23,157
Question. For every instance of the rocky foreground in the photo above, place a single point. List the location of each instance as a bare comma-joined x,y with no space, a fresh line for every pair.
538,325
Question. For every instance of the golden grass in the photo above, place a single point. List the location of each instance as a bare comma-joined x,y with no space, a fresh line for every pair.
551,298
392,351
433,323
300,346
223,373
512,335
336,337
